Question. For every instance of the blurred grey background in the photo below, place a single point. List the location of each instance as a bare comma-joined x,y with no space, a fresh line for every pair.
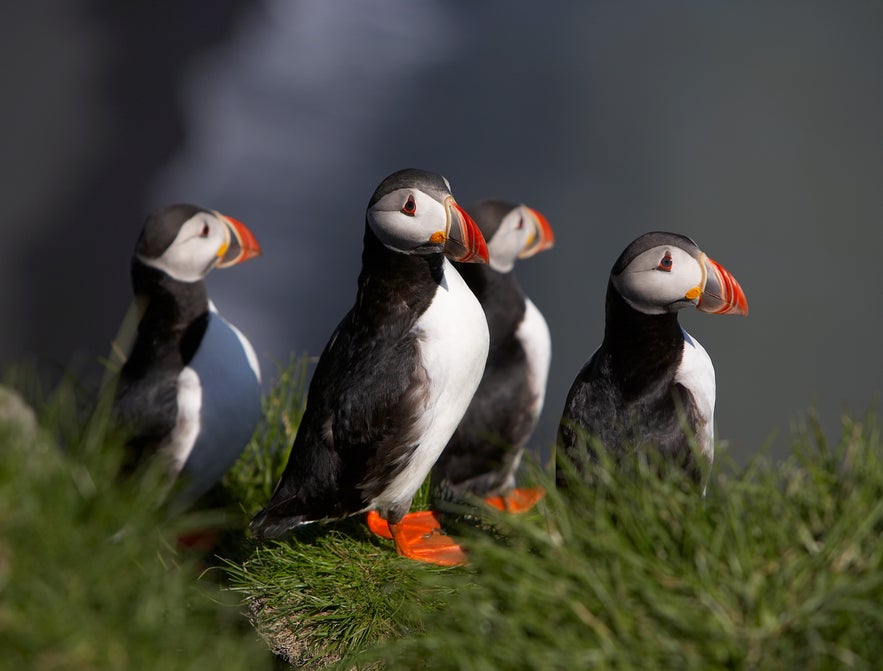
755,128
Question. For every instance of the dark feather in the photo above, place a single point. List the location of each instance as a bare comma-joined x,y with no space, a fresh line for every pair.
365,398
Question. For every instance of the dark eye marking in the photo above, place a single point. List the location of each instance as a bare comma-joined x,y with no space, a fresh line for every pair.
205,231
410,207
666,263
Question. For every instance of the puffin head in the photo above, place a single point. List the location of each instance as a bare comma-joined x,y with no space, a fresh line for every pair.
186,242
413,211
660,273
511,231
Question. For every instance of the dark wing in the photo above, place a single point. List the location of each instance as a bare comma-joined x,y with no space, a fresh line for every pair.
365,398
146,403
146,409
597,416
589,416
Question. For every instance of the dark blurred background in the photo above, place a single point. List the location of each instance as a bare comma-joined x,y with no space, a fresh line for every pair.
755,128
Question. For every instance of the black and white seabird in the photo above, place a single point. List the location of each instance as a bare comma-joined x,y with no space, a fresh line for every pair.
396,376
483,455
651,385
190,389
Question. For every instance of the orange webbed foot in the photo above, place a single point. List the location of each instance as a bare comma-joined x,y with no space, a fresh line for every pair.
519,500
419,536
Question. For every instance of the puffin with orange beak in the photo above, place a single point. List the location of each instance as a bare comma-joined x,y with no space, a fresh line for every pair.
650,385
190,389
483,455
396,376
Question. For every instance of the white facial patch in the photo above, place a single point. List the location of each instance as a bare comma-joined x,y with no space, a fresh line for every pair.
405,232
194,251
650,289
509,240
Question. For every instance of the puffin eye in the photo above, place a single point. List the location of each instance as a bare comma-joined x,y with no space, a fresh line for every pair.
520,224
205,231
666,263
410,208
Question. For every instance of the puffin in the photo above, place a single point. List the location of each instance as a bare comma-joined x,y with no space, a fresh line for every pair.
395,378
651,385
484,453
189,391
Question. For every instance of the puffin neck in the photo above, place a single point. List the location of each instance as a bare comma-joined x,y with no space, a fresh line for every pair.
500,295
169,304
640,346
399,270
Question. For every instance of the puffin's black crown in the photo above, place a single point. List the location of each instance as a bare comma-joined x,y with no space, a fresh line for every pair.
161,228
430,183
649,241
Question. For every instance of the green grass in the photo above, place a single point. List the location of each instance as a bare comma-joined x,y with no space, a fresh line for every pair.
331,592
251,481
90,577
780,566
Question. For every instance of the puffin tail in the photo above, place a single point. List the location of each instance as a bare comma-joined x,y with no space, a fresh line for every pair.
266,526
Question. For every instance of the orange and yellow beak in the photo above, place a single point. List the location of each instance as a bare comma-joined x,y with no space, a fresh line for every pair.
241,244
541,236
463,241
720,293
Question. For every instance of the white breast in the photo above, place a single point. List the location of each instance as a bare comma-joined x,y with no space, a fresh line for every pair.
533,334
181,440
453,336
696,373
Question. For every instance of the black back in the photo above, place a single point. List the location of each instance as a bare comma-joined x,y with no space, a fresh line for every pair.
172,325
364,398
625,397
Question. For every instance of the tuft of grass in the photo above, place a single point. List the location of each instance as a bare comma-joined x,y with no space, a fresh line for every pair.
780,566
331,592
90,577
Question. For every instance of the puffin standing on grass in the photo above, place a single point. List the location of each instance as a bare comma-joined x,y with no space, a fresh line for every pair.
483,455
651,385
396,377
190,389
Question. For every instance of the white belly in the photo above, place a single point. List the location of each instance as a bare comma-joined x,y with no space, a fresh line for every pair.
533,334
696,373
453,336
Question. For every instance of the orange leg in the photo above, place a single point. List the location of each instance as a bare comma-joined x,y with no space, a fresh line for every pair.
378,525
518,500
